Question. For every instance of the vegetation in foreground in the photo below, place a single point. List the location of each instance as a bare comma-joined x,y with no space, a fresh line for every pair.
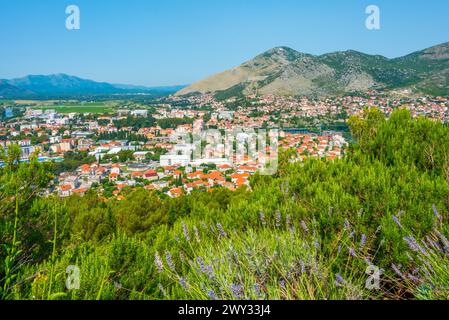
309,232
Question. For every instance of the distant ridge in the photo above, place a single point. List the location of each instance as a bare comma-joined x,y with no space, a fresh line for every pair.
66,85
284,71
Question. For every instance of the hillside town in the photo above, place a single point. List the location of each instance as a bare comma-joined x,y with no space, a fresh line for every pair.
150,145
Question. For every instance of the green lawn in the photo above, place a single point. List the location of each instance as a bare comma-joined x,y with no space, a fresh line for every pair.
94,107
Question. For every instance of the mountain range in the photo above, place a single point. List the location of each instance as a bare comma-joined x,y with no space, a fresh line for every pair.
34,86
280,71
284,71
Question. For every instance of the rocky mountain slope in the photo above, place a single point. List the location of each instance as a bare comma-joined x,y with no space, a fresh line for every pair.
284,71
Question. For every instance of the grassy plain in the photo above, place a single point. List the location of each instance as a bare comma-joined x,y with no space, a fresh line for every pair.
89,107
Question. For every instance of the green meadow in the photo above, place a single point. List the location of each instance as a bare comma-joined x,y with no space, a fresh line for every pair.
91,107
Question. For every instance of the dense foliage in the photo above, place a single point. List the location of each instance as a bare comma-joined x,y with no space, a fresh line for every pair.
308,232
134,122
72,161
173,123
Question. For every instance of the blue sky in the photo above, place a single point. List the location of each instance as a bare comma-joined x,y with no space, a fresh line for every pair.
167,42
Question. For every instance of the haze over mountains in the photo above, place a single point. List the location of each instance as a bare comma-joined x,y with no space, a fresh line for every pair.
33,86
284,71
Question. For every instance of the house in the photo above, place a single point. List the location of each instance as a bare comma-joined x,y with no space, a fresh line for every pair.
237,176
177,174
151,175
65,190
140,155
248,169
224,167
80,191
137,174
175,192
122,186
115,169
113,176
85,169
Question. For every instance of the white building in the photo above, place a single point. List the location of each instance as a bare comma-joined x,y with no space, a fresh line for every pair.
140,113
174,160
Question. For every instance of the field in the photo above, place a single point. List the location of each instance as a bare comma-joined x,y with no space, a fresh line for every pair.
91,107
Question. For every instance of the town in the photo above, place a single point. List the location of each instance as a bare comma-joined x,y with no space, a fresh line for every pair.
133,146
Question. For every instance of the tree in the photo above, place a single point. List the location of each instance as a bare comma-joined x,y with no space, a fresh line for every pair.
140,211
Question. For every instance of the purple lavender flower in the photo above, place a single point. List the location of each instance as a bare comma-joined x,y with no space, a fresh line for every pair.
339,281
288,220
169,260
221,231
158,262
237,291
362,242
200,262
206,269
413,278
442,238
347,225
209,271
197,236
397,271
351,252
304,226
435,212
426,247
303,267
413,245
282,284
161,288
396,220
262,218
278,219
183,283
257,289
434,244
186,231
212,295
